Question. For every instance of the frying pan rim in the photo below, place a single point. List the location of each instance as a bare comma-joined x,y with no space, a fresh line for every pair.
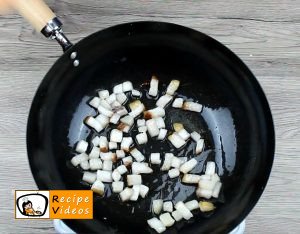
75,224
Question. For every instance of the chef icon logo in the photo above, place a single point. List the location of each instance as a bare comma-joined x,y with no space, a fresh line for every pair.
32,204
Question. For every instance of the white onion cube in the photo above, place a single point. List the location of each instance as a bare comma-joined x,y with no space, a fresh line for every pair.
128,120
136,93
111,98
85,165
104,176
143,190
96,141
107,165
192,106
176,140
127,86
172,87
178,102
89,177
173,173
153,113
127,161
115,118
137,155
116,135
116,176
153,90
184,134
140,168
103,120
210,168
121,98
168,206
167,162
134,180
103,94
160,122
122,169
203,193
185,212
152,127
117,186
176,162
118,89
98,187
79,158
157,206
126,143
164,100
135,192
162,134
120,154
143,129
142,138
177,215
81,146
166,219
216,190
95,102
112,145
195,136
126,194
104,111
93,123
156,224
199,146
155,158
95,164
191,179
188,166
192,205
103,144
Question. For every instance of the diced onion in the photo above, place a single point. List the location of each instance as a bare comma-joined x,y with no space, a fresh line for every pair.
116,135
104,176
120,154
98,187
172,87
96,141
127,86
115,118
167,162
176,162
93,123
103,94
116,176
140,168
81,146
95,152
184,134
127,161
126,143
117,186
85,165
111,98
160,122
89,177
192,205
134,180
156,224
126,194
210,168
122,169
190,179
153,90
79,158
128,120
103,144
135,192
141,122
173,173
104,111
216,190
143,190
162,134
164,100
195,136
152,127
199,146
192,106
103,120
176,140
177,215
203,193
168,206
177,126
188,166
178,102
121,98
136,93
153,113
118,89
107,165
95,102
143,129
95,164
142,138
137,155
112,145
157,206
155,158
185,212
166,219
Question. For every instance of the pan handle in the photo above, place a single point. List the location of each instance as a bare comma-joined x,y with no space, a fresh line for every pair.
42,18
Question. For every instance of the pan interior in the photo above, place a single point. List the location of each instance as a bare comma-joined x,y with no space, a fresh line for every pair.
231,122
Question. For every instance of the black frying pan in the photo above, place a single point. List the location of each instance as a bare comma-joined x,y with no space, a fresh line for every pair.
236,121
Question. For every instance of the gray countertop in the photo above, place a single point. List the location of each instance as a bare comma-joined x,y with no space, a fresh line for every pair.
265,34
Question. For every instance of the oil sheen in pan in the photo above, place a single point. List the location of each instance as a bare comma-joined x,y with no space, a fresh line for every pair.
116,213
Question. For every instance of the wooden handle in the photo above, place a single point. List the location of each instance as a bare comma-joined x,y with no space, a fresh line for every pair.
36,12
